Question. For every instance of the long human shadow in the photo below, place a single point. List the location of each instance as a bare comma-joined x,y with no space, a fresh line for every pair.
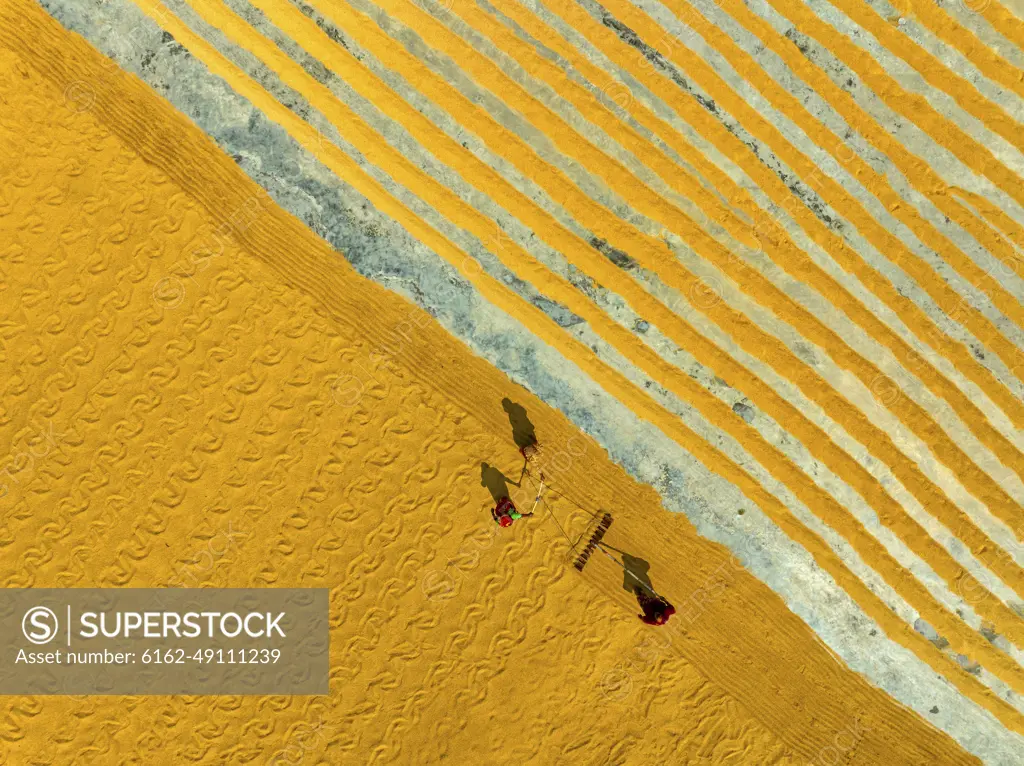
523,432
495,481
636,572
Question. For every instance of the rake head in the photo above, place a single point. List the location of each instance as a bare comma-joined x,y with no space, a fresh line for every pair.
599,533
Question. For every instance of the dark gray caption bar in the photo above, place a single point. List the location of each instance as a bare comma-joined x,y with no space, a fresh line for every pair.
164,641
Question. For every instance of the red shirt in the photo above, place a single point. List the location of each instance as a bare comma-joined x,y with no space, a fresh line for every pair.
505,512
658,614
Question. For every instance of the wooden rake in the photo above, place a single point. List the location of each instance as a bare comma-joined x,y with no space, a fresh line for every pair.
592,543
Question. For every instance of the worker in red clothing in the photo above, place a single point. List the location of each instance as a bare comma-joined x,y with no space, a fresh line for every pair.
505,512
656,610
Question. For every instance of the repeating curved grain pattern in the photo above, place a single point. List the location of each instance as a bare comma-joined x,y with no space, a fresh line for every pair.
768,254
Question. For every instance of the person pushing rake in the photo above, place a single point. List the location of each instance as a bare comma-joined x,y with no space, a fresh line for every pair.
655,609
505,512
